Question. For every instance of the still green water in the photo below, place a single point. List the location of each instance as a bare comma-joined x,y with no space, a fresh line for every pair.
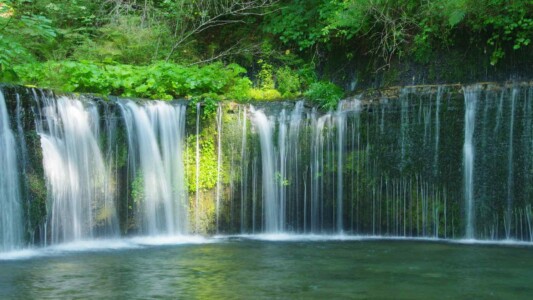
242,268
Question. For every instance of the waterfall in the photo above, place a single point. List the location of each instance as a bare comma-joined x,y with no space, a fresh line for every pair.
510,182
272,218
406,167
471,97
11,229
155,133
294,172
440,92
281,167
219,164
317,169
244,170
81,200
341,132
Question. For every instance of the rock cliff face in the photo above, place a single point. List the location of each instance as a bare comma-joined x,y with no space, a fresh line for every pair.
387,162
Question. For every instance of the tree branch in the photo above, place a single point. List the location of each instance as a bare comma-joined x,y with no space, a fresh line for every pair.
213,13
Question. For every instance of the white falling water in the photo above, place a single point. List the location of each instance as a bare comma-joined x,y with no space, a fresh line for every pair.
197,159
471,97
317,167
281,167
244,170
219,163
345,108
155,140
508,213
80,196
341,132
294,155
440,92
271,202
10,202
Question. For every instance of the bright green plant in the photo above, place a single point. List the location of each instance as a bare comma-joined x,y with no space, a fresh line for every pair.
137,188
208,160
265,94
264,78
302,22
288,82
265,85
325,94
20,32
161,80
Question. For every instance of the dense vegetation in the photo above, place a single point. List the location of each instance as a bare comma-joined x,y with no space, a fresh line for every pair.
243,49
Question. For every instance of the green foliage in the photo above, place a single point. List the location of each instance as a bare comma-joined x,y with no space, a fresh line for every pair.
125,40
511,24
209,104
391,29
160,49
502,25
264,79
37,207
302,22
288,82
20,33
265,85
157,81
325,94
265,94
281,181
208,160
137,188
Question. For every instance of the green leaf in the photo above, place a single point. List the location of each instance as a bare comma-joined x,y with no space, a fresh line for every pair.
456,17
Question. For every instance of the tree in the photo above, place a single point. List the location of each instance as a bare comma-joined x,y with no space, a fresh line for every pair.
192,17
189,18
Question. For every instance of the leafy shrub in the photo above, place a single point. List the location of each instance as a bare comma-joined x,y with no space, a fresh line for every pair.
161,80
288,82
265,78
325,94
265,94
125,40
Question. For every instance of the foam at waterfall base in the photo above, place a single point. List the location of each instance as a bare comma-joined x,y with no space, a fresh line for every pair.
289,237
92,245
20,254
104,245
71,247
508,242
170,240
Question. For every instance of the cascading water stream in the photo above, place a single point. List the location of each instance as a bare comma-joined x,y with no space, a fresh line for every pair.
341,132
244,171
471,97
197,160
317,169
11,228
81,202
270,192
155,140
386,169
510,183
219,165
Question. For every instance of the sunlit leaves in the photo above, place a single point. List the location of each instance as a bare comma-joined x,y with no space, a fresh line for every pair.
161,80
